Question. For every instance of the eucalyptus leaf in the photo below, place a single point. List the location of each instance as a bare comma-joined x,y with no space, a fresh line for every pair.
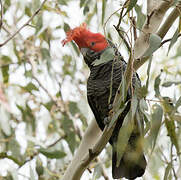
156,120
63,2
56,154
69,129
39,24
30,87
140,16
45,54
170,83
173,40
171,129
154,44
5,73
157,86
123,137
106,56
82,2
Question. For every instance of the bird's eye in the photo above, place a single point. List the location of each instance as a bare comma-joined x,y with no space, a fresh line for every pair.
92,43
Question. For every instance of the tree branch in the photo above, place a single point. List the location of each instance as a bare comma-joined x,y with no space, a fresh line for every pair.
88,141
161,32
169,21
1,20
151,5
24,25
151,25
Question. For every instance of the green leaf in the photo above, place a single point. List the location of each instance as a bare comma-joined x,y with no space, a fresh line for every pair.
103,10
156,119
39,167
69,129
123,137
116,115
106,56
66,27
131,5
178,103
82,2
28,116
170,83
28,11
157,86
56,154
62,2
5,69
28,73
143,105
49,105
140,16
30,87
73,108
154,44
39,24
16,52
45,54
6,59
5,72
6,5
148,72
167,104
173,40
14,147
170,125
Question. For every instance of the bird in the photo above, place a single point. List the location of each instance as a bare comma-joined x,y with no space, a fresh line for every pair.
102,85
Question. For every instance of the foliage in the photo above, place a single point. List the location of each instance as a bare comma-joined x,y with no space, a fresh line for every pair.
43,108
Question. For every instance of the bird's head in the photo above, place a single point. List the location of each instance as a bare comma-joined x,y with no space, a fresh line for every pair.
84,38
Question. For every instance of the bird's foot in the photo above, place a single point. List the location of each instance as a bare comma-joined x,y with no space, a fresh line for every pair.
110,106
106,120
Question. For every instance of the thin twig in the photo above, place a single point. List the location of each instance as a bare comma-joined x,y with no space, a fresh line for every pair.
58,140
104,27
121,14
133,22
123,38
167,40
42,86
1,20
24,25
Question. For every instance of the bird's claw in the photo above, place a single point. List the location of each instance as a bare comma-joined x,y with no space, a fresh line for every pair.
110,106
106,120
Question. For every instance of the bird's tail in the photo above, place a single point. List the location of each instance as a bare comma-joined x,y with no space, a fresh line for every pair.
133,162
